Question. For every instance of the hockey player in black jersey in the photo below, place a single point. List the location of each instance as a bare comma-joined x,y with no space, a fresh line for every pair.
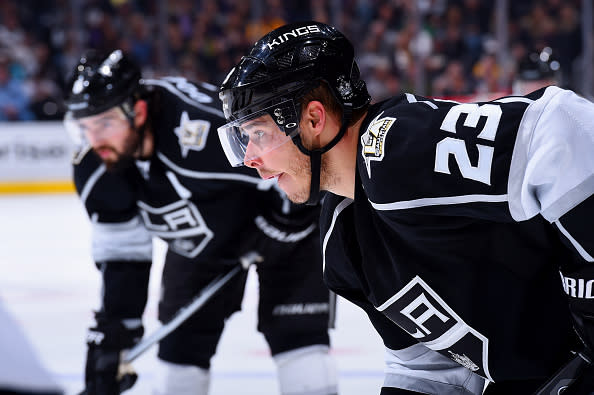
448,223
151,165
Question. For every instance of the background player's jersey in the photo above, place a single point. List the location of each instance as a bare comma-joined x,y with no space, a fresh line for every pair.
431,248
186,193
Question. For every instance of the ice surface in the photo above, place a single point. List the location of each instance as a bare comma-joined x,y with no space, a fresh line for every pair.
49,283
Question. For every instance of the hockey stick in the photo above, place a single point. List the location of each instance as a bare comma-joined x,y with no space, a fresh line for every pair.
185,312
565,376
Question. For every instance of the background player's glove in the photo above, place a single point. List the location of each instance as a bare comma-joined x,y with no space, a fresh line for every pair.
284,230
103,374
275,240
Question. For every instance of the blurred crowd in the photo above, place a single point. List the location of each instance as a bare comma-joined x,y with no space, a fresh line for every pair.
445,47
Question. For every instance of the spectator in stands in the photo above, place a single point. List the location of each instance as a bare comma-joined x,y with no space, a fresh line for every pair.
216,33
14,103
486,73
453,81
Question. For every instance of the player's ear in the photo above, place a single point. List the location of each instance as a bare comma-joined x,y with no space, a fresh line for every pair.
140,112
314,118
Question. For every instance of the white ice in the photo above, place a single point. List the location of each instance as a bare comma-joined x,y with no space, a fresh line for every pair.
49,283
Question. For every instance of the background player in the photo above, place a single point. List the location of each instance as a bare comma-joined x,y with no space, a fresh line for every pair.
447,222
536,70
151,165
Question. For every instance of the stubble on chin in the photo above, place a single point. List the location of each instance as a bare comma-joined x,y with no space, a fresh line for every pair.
125,159
301,171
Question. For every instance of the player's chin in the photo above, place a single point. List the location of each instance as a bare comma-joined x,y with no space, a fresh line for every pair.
111,164
295,192
119,163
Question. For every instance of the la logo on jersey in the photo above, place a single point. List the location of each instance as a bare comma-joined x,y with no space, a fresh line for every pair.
180,224
373,140
419,310
191,134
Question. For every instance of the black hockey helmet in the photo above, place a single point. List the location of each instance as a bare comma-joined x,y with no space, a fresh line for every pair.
537,70
280,69
101,82
288,62
539,66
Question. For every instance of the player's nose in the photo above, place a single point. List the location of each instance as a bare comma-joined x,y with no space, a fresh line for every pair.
96,139
251,158
93,138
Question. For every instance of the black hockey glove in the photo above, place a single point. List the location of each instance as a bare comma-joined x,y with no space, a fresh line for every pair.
103,373
278,236
578,285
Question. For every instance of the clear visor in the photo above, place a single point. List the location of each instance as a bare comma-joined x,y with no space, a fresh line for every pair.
257,134
99,126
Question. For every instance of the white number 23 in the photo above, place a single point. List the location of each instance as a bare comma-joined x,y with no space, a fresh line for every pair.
457,147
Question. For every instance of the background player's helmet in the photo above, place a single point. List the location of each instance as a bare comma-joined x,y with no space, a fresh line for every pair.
536,70
100,83
281,67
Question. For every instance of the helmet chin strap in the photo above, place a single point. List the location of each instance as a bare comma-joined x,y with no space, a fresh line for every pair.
141,134
141,131
315,156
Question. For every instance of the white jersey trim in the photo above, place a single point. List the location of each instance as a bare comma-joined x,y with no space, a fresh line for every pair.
514,99
412,99
171,88
208,175
84,194
584,254
341,206
423,202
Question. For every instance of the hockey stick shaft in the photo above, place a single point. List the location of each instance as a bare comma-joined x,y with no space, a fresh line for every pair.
181,315
196,304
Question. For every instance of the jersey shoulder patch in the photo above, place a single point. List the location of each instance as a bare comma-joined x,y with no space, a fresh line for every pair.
191,133
395,144
373,139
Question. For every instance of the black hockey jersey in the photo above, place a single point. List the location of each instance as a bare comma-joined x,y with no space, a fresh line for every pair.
442,244
186,193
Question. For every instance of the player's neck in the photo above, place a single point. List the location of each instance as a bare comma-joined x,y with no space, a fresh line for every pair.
147,148
341,162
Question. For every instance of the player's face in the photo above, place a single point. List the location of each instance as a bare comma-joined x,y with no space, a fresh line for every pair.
285,162
110,135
